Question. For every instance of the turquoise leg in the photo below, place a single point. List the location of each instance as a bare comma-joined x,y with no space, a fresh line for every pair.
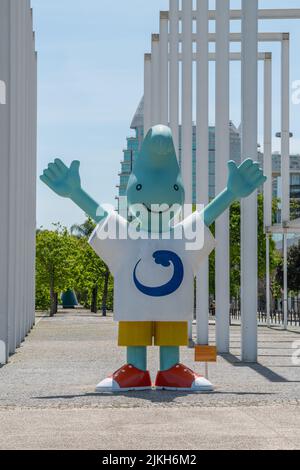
137,357
169,357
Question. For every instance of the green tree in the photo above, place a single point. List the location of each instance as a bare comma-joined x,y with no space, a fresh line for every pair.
89,275
235,249
293,270
42,296
83,230
55,262
295,209
95,273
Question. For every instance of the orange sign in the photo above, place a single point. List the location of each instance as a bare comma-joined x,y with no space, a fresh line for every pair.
205,354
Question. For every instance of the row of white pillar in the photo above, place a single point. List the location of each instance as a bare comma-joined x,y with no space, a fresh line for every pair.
165,103
18,70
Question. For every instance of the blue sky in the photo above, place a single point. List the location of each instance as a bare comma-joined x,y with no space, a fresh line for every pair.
91,80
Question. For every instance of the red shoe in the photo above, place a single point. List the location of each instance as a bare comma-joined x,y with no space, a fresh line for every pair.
182,378
126,379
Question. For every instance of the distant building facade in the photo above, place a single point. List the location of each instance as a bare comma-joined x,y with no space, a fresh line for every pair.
295,175
294,182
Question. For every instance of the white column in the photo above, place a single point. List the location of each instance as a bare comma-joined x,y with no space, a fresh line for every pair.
268,286
222,137
4,175
30,152
147,93
285,130
285,281
33,179
268,189
249,206
187,105
164,67
31,171
19,175
155,85
23,169
174,73
187,100
27,159
202,160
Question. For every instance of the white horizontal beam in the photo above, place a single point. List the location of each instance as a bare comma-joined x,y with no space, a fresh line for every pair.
264,14
234,56
280,229
269,14
237,37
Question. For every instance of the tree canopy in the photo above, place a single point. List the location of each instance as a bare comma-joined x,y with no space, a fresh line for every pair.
293,270
55,264
65,261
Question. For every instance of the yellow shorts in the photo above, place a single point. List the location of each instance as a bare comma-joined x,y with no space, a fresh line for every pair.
149,333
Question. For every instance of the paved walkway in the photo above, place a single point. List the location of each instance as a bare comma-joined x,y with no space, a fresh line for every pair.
47,398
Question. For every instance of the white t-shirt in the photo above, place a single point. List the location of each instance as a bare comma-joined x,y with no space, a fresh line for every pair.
154,279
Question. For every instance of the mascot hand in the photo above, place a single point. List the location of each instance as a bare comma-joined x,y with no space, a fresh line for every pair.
245,179
62,180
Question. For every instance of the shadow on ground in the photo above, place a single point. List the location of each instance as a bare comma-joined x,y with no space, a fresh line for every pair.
151,395
259,368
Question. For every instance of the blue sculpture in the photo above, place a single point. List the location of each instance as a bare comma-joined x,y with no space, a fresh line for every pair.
144,309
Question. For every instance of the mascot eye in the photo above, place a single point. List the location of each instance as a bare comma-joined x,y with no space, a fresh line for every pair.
139,187
176,187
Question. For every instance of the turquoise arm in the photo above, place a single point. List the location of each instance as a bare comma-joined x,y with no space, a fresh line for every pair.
242,182
89,206
217,207
66,183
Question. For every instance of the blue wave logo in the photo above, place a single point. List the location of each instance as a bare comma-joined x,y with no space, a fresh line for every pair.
163,258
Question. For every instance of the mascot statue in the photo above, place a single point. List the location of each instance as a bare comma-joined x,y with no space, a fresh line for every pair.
154,257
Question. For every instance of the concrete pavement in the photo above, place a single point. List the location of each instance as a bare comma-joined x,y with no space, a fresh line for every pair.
182,428
47,398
